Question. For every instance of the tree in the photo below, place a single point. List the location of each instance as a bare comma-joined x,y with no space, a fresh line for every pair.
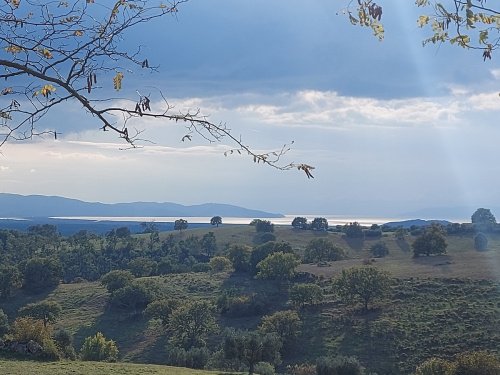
480,241
98,348
379,250
135,296
252,348
117,279
468,24
4,323
306,294
476,363
54,53
190,323
338,365
483,216
180,225
220,264
10,279
322,250
278,266
259,253
319,224
239,255
353,230
209,244
216,220
299,223
365,283
46,311
64,341
432,241
285,324
435,366
162,309
264,226
41,273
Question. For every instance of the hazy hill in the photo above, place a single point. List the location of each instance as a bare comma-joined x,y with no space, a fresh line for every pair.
21,206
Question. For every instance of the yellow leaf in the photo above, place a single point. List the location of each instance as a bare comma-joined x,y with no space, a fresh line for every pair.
117,81
422,21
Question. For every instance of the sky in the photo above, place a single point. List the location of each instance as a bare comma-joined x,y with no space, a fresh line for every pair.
392,127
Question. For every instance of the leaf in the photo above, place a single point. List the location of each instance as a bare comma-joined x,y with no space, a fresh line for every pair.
78,33
422,21
117,81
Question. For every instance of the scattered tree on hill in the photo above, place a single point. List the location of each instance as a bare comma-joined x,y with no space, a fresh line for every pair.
134,296
46,311
322,250
379,250
220,264
216,220
400,234
364,283
98,348
285,324
480,241
263,225
306,294
117,279
64,341
338,365
209,244
191,323
259,253
41,273
25,329
162,309
180,225
299,223
142,267
431,242
278,266
353,230
319,224
251,348
10,279
483,216
239,255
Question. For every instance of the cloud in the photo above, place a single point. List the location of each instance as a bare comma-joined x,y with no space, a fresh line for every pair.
4,168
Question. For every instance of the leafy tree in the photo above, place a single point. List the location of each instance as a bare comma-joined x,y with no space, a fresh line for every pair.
25,329
263,237
209,244
135,296
339,365
431,241
483,219
117,279
306,294
190,323
216,220
196,358
319,224
239,255
46,311
263,226
353,230
476,363
322,250
4,323
299,223
365,283
285,324
480,241
180,225
41,273
400,234
123,232
64,341
162,309
259,253
10,279
278,266
220,264
251,348
142,267
98,348
379,250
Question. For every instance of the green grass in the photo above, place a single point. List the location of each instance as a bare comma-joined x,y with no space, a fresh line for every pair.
92,368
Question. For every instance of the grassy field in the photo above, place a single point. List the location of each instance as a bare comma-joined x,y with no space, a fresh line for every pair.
92,368
439,305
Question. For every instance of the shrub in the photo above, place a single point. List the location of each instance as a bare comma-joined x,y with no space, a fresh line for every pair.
321,250
64,342
4,323
201,267
301,369
434,366
480,241
476,363
339,365
303,294
196,358
97,348
117,279
264,368
261,238
379,250
220,264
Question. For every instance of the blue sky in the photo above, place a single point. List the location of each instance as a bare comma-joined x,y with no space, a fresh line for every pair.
391,127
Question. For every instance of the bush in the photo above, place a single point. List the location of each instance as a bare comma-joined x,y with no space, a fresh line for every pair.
434,366
4,323
220,264
353,230
303,294
379,250
117,279
322,250
64,342
476,363
480,242
264,368
339,365
301,369
27,329
261,238
196,358
97,348
201,267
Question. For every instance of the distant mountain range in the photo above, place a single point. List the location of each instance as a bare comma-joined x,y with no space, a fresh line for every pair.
29,206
